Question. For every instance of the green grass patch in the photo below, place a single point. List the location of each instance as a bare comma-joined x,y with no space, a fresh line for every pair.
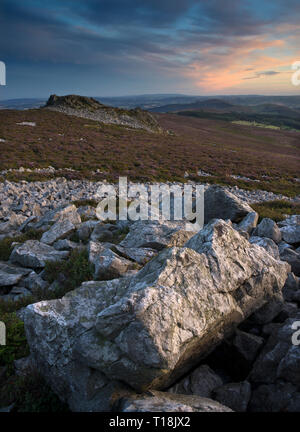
86,202
73,272
276,210
16,346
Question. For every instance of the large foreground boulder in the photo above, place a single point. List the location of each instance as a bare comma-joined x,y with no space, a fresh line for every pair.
148,330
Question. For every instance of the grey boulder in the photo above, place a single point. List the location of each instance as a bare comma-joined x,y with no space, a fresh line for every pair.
268,228
156,401
148,330
35,254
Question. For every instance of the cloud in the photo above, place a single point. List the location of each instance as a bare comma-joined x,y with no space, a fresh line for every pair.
204,43
263,74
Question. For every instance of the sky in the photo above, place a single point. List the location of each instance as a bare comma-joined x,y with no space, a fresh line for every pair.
128,47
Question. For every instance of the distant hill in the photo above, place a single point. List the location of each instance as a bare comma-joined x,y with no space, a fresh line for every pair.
90,108
215,104
27,103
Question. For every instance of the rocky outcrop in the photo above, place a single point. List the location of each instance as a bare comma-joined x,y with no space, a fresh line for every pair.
86,107
147,330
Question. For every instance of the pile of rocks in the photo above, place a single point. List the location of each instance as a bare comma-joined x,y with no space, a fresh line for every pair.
35,198
172,320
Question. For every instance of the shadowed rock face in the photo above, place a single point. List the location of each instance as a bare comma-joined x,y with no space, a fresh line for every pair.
219,203
149,329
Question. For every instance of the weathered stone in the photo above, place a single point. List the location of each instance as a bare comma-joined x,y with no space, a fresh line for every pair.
234,395
108,265
34,283
87,211
12,224
103,232
58,231
291,286
291,229
267,244
10,274
201,382
293,258
268,228
156,235
85,229
34,254
150,329
273,397
155,401
139,255
249,222
248,345
222,204
65,245
60,214
279,359
17,293
269,311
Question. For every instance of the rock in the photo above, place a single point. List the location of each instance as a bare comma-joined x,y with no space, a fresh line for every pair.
248,345
139,255
156,235
108,265
279,359
222,204
291,229
65,245
291,286
148,330
268,312
283,245
277,397
17,293
234,395
35,254
24,366
85,229
103,232
10,274
58,231
26,223
13,224
288,310
87,211
249,222
60,214
267,244
35,284
268,228
201,382
156,401
293,258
